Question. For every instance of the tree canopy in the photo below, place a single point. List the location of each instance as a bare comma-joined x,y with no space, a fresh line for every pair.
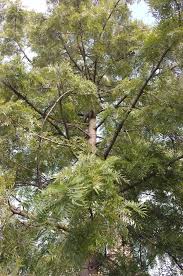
91,133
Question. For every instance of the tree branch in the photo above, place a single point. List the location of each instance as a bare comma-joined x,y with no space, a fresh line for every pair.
115,106
133,104
83,52
53,106
108,18
62,227
69,54
23,52
175,160
63,115
175,261
100,35
150,175
18,211
26,100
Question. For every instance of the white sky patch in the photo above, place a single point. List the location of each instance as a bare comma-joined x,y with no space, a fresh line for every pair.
139,10
38,5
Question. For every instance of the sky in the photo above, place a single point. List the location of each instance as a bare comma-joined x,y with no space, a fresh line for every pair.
139,10
39,5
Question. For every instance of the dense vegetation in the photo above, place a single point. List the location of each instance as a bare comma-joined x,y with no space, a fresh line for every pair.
91,139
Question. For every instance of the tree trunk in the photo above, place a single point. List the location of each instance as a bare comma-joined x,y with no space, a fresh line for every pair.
91,265
90,268
92,131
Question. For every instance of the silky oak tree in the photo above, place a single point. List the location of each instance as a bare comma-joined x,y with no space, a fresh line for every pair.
91,138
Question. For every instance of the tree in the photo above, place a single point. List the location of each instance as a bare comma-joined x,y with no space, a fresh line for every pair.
91,138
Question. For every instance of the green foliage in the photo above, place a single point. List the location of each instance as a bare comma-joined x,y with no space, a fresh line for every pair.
61,205
89,186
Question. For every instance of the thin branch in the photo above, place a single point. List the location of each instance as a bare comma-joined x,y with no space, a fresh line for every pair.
71,58
52,141
72,125
18,211
26,184
26,100
175,160
101,77
57,143
45,119
133,104
95,69
23,52
100,35
175,261
38,172
150,175
53,106
108,18
63,116
38,161
83,52
120,101
115,106
79,128
69,54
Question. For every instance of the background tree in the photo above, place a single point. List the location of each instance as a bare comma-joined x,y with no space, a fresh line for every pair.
91,138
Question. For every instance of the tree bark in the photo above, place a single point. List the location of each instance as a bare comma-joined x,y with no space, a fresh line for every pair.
92,131
90,268
91,265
